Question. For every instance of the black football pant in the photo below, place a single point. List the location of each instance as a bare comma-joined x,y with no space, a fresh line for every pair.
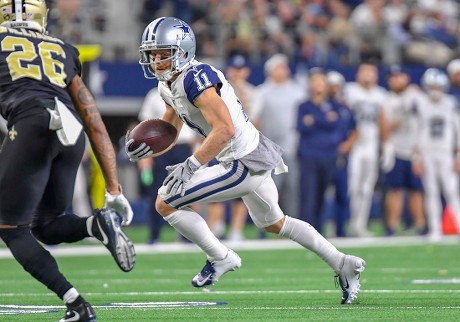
37,175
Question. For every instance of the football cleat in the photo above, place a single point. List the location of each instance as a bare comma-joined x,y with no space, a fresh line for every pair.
107,228
348,278
79,313
213,270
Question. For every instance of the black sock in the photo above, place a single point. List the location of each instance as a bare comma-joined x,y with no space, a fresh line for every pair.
36,260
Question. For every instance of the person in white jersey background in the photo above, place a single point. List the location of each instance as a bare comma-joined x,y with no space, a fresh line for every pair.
400,109
436,155
366,99
198,95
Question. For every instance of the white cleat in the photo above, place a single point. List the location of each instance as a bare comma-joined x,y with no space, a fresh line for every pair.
213,270
348,278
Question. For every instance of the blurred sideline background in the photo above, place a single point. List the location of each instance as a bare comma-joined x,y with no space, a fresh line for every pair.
333,34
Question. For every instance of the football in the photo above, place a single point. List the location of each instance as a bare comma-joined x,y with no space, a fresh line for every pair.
156,133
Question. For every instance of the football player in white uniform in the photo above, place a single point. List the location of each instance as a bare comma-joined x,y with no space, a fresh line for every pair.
400,108
198,95
366,99
436,155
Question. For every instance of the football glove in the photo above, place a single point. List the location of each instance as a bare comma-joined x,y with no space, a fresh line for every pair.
179,175
141,152
121,205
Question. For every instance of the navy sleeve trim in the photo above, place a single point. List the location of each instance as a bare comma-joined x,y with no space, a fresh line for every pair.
200,78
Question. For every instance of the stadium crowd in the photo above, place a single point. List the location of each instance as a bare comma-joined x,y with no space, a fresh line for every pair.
312,33
320,32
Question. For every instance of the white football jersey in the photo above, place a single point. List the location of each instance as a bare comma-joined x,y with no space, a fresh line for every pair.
437,124
401,108
366,106
188,86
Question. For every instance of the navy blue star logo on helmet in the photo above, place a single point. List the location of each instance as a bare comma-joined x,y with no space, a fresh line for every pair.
185,30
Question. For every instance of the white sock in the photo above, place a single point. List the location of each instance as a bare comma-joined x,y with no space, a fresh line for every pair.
193,227
307,236
89,225
70,296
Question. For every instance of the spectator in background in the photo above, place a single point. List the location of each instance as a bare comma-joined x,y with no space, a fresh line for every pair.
434,29
336,83
323,125
342,36
79,22
396,14
274,113
368,21
453,70
436,154
65,20
366,99
154,107
400,109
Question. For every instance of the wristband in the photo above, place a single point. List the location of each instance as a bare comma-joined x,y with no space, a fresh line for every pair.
195,161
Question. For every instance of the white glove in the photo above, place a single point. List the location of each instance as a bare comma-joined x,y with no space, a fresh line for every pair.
179,175
121,205
388,158
141,152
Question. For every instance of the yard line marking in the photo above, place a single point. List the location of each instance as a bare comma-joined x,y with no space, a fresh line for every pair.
437,281
13,309
210,291
257,244
36,309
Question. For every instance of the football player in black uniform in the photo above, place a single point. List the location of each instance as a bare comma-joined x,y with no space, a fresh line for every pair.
46,103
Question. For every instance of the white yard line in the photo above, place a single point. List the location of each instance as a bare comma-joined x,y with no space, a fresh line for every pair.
34,309
196,293
258,244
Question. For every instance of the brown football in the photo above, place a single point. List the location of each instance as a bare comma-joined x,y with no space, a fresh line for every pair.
156,133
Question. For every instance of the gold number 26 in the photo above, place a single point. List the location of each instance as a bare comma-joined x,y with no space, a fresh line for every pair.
20,61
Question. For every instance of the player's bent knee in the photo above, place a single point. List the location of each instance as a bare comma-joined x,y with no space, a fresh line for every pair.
162,208
40,234
276,227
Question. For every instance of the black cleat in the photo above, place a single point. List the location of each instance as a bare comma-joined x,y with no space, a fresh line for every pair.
107,228
79,313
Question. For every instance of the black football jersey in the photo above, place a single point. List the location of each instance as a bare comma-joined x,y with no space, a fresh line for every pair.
34,68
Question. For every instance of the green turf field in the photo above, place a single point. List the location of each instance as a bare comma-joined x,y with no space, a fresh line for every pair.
405,283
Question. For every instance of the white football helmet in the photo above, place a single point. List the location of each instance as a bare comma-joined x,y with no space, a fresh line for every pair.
435,82
335,78
167,33
29,14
